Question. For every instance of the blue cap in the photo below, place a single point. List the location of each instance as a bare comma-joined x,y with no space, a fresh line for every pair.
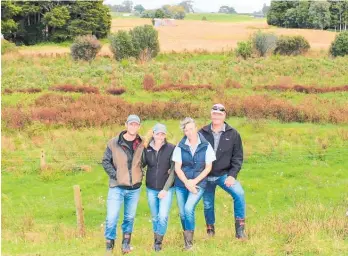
133,119
158,128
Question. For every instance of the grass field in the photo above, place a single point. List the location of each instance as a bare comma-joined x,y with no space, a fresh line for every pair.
220,17
295,174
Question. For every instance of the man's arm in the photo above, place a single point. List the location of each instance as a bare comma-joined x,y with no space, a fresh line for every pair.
108,163
237,157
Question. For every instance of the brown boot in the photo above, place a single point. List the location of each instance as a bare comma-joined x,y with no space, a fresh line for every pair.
188,239
240,229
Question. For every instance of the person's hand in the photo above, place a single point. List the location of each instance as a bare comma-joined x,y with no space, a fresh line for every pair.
162,194
190,185
229,181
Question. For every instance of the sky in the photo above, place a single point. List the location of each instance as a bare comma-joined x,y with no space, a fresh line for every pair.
241,6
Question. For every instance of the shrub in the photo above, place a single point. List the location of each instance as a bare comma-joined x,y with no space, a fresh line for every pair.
229,83
116,91
148,82
291,45
339,47
145,38
7,47
85,48
244,49
121,45
140,42
204,18
263,43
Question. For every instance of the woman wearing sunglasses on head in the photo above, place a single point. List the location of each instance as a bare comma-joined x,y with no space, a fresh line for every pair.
193,158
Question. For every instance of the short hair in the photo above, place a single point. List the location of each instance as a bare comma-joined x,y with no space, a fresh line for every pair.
186,121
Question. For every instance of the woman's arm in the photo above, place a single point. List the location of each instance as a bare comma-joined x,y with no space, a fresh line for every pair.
171,177
189,184
203,174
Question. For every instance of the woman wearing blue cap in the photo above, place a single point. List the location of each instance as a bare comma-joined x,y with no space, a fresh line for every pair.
159,181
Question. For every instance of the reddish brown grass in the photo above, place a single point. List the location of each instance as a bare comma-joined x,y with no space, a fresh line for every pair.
75,88
116,91
149,82
27,90
182,87
303,89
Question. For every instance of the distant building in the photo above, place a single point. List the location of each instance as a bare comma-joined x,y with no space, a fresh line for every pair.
164,22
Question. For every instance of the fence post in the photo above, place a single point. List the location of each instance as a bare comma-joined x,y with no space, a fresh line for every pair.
42,161
79,211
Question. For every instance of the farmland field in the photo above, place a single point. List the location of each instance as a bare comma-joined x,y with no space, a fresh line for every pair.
194,34
295,173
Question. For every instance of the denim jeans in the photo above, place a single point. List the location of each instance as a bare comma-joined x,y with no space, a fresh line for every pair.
236,191
116,197
159,209
187,203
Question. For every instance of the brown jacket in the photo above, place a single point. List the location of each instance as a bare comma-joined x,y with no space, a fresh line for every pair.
123,168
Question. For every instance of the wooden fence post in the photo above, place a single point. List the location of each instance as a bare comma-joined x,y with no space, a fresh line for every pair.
79,211
42,161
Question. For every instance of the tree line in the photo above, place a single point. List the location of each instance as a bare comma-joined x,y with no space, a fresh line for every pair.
331,14
31,22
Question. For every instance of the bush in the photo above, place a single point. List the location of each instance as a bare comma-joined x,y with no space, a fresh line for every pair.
148,82
140,42
339,47
145,39
121,45
7,47
291,45
264,43
85,48
204,18
116,91
244,49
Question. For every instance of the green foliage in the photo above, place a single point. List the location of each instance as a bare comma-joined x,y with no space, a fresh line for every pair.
291,45
309,14
141,39
339,46
85,48
7,47
31,22
244,49
145,37
121,45
319,13
263,43
139,8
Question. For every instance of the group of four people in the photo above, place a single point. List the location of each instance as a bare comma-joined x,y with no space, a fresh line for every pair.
201,161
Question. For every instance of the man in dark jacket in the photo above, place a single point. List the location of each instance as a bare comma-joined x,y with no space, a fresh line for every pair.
228,147
122,162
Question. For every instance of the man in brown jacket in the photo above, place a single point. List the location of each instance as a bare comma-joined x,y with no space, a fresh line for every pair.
122,162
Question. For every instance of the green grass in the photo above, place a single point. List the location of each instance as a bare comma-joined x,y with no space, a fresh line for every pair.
221,17
295,179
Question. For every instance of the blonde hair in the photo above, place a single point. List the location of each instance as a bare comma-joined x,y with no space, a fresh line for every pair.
186,121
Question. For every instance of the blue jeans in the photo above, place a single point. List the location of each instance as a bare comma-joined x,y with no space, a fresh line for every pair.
159,209
116,197
187,203
236,191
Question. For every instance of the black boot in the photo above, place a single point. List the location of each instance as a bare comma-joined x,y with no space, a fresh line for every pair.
158,242
240,233
211,230
188,239
126,248
109,247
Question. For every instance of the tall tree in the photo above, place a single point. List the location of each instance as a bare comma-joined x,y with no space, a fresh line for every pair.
227,9
319,13
139,8
188,6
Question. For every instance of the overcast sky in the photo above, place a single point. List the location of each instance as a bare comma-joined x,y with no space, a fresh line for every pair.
202,5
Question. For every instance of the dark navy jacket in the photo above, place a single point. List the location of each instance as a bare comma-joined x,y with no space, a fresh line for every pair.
192,166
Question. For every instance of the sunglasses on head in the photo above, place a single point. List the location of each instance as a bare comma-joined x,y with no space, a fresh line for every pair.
218,108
